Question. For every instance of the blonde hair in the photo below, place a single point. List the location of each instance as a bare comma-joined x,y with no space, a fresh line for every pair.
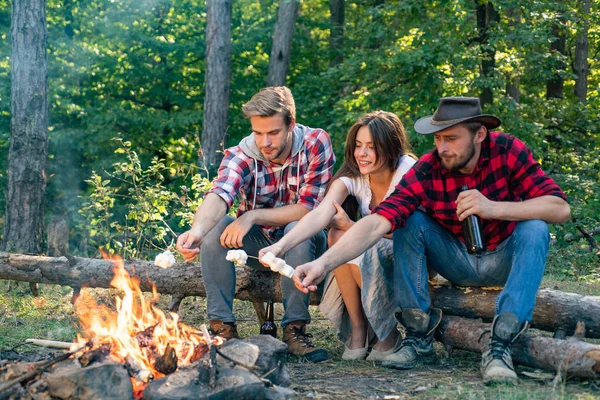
270,101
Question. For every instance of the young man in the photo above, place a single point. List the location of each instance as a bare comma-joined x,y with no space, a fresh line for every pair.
280,172
510,194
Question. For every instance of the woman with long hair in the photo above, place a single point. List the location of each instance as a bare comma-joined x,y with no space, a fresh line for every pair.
360,294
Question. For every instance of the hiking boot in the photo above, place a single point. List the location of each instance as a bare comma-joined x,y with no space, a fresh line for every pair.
417,346
299,344
227,330
496,361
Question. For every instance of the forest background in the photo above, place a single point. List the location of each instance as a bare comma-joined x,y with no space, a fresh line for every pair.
127,89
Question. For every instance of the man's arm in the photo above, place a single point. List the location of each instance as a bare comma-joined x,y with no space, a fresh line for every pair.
210,212
364,234
551,209
235,232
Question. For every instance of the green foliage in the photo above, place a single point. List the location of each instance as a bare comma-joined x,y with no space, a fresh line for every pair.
135,71
129,211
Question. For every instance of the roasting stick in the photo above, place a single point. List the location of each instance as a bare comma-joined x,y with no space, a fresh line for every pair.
50,343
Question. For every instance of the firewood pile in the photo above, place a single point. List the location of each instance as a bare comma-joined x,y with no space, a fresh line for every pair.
250,368
557,341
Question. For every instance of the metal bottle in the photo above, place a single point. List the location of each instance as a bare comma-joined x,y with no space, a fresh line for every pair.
472,231
268,327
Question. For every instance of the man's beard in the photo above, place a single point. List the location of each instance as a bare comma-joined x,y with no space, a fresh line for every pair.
461,164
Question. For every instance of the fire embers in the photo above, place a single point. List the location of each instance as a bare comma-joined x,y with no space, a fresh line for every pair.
135,333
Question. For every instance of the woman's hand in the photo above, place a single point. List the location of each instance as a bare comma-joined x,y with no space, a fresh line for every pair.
340,220
276,249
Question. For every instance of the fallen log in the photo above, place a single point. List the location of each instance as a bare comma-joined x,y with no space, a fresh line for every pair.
181,280
572,357
554,311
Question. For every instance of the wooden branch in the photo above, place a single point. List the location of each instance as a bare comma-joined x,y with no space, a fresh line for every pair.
569,237
589,238
50,343
573,357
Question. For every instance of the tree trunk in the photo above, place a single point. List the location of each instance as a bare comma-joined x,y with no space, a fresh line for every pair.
573,357
554,310
25,195
581,53
555,86
217,80
486,14
279,62
336,37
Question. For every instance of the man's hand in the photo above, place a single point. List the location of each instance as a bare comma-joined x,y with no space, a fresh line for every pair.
233,235
340,220
188,244
309,275
276,249
472,202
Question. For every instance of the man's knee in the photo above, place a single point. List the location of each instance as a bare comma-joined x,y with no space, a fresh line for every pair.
534,230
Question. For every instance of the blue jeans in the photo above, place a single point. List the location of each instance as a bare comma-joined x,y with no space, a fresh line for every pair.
518,264
219,274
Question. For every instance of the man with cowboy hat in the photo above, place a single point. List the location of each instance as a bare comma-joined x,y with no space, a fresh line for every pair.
514,200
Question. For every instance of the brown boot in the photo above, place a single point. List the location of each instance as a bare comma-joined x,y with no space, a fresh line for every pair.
227,330
299,344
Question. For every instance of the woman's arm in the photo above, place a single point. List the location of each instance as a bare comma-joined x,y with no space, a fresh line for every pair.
311,223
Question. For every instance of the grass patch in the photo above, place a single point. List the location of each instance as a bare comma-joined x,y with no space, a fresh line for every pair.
455,376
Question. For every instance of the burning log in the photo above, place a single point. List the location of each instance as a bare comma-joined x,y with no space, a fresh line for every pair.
167,363
555,310
96,355
572,356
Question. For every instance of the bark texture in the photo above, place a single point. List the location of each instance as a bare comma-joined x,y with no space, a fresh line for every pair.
555,85
281,51
217,80
554,310
486,15
181,280
571,356
24,224
581,64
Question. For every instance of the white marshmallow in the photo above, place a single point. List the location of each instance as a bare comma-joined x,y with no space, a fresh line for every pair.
277,265
165,260
239,257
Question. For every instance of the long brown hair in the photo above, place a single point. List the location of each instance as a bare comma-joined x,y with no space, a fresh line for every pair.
390,142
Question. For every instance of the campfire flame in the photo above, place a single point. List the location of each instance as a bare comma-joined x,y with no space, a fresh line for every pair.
135,329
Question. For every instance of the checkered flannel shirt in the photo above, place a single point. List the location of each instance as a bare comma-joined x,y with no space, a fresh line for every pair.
506,171
277,188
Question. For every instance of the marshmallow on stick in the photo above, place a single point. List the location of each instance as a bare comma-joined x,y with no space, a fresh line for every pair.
165,260
277,265
239,257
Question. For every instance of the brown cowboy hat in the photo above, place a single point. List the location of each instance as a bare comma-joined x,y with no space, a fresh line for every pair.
453,111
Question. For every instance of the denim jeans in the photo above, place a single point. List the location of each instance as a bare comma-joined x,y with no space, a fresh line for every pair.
219,274
518,264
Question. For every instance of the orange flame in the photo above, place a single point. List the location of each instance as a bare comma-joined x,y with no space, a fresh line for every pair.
136,328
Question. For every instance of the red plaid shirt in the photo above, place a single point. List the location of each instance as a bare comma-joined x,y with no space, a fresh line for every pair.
302,179
506,171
